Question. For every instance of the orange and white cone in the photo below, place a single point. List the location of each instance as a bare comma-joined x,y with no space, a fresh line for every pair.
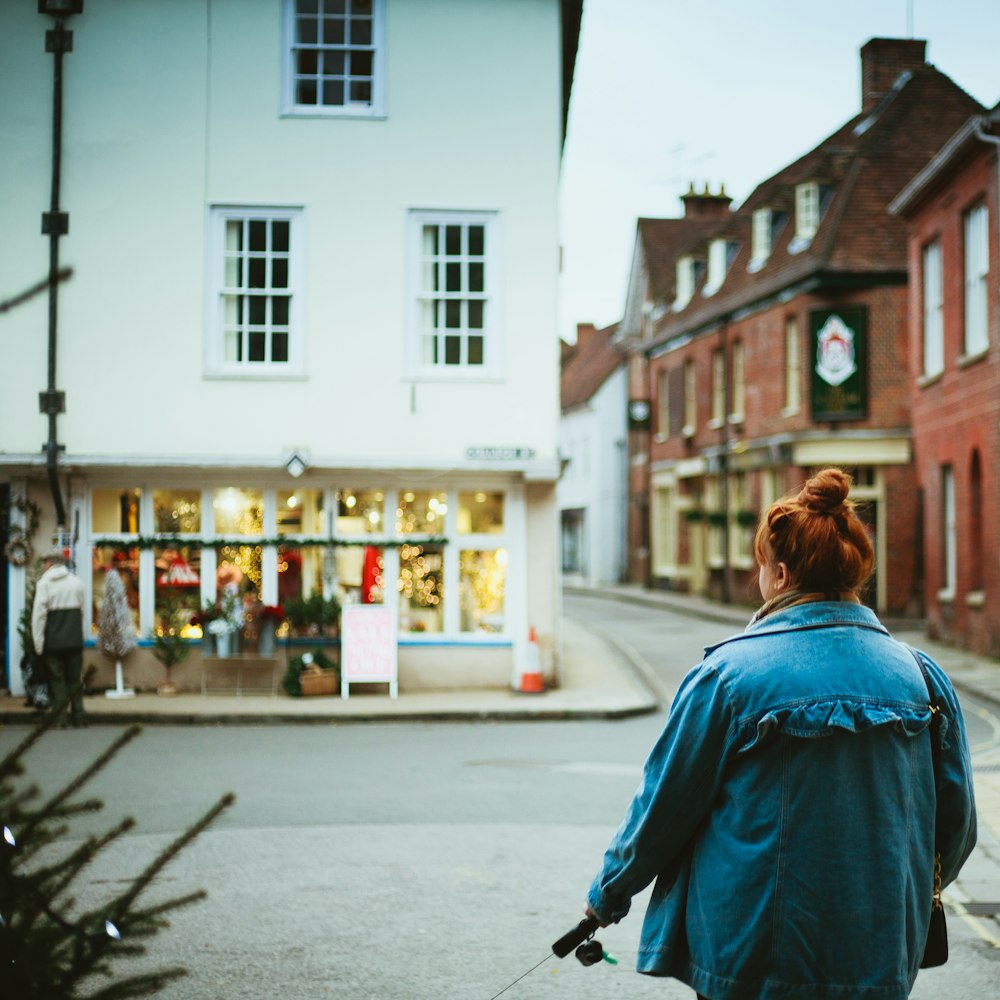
531,675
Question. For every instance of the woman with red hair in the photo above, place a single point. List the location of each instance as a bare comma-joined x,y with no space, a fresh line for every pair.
791,813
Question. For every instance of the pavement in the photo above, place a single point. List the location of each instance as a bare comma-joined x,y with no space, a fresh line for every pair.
600,678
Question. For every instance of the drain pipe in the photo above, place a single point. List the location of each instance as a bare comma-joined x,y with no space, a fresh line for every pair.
55,223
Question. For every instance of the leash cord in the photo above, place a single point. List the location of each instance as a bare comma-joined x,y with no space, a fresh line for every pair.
519,978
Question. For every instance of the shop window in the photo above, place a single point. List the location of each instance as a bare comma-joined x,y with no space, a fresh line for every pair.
125,562
421,513
238,569
238,512
360,512
421,588
480,513
178,588
115,511
177,512
300,571
482,582
300,512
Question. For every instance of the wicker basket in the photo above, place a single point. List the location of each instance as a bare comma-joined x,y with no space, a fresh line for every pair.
319,682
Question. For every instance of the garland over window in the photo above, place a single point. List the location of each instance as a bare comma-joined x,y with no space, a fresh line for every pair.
163,540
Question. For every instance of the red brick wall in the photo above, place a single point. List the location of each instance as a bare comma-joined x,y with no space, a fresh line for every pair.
957,414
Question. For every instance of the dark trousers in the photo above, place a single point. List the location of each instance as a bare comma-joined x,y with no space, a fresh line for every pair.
64,667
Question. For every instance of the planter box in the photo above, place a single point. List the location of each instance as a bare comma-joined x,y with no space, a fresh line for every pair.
320,682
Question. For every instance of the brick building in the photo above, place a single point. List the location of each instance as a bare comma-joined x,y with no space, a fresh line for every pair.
951,207
773,341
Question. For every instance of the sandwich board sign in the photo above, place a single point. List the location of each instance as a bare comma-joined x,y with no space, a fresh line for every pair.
367,647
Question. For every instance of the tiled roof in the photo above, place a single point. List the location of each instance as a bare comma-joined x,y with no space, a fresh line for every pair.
587,365
861,166
663,241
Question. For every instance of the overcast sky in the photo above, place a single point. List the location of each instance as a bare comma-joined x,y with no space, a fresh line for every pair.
721,92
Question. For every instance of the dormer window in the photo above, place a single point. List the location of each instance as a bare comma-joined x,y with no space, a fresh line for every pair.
808,199
720,255
685,282
765,226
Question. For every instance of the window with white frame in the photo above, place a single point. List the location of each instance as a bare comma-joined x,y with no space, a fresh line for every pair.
685,282
334,57
761,238
254,324
738,411
718,389
977,266
663,404
720,254
793,368
454,323
933,310
690,399
807,206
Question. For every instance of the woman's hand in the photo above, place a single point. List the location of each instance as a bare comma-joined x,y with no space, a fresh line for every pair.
596,916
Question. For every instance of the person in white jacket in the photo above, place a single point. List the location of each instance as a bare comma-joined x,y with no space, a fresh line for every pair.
57,630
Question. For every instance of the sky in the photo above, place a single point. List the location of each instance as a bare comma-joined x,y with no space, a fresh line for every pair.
670,92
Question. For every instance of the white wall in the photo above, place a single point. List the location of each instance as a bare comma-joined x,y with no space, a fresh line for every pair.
593,438
154,134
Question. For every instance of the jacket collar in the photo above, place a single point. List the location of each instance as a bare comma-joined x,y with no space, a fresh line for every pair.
801,617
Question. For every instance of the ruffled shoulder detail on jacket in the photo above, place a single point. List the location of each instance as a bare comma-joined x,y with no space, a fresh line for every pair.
824,718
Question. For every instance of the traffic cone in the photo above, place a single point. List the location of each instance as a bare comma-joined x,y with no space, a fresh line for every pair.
531,676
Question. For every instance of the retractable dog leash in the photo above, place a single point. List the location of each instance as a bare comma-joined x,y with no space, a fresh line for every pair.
589,951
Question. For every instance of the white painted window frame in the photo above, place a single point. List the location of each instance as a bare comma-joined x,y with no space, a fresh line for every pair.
685,282
375,110
975,243
807,210
761,238
932,323
215,361
793,368
718,262
416,368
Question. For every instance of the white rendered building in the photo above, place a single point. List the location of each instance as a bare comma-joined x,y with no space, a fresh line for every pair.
314,260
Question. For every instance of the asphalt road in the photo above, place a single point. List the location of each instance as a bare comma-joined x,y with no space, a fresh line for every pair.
398,861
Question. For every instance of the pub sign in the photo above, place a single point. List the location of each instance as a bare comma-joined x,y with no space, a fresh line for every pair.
839,363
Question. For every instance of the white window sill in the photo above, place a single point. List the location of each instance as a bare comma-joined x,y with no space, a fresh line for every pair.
791,411
964,360
308,111
929,378
737,418
800,243
263,374
687,431
457,374
716,423
659,438
975,599
946,596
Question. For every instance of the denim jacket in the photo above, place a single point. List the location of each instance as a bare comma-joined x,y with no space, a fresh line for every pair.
787,815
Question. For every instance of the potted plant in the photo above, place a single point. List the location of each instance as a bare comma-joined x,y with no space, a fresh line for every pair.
313,615
202,619
169,647
269,617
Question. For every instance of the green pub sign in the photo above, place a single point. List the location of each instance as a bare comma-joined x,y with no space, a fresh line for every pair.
839,363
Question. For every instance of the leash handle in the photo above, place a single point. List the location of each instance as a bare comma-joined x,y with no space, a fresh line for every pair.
576,936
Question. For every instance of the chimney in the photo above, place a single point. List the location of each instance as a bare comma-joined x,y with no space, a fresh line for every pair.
882,60
705,205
